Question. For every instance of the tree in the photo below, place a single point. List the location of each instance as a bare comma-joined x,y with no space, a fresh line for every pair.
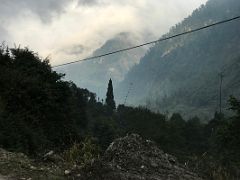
235,105
38,110
110,97
226,142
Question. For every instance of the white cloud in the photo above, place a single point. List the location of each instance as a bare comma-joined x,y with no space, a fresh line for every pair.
50,26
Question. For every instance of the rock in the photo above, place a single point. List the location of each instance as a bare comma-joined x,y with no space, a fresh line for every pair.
48,156
50,153
6,156
67,172
52,157
132,158
33,168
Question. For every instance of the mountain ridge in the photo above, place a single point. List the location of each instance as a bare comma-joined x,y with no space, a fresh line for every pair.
181,74
96,73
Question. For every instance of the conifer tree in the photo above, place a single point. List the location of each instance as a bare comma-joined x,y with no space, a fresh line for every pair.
110,97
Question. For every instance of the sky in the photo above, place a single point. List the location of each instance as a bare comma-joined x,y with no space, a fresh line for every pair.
67,30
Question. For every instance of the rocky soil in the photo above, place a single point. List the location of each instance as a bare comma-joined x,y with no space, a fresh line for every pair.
133,158
19,166
127,158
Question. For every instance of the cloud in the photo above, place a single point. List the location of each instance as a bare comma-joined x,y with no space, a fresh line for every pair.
73,29
45,9
3,34
74,49
88,2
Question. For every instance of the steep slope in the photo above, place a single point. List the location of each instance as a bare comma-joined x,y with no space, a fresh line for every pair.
95,74
182,74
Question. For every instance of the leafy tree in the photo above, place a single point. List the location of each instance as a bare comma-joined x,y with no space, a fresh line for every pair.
228,135
104,130
235,105
37,109
175,134
194,135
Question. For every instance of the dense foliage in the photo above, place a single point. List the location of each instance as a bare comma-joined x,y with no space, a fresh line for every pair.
39,111
37,108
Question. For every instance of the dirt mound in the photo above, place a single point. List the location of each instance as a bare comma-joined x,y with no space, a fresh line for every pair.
133,158
127,158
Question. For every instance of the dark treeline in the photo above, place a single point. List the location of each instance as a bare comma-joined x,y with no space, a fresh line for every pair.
39,111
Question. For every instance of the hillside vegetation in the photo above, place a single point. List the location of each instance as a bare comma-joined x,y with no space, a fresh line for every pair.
39,112
182,74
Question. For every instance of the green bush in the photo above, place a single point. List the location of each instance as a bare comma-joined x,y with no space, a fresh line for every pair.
82,153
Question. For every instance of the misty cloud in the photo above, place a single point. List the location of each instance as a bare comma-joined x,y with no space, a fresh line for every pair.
3,34
75,49
88,2
64,28
45,9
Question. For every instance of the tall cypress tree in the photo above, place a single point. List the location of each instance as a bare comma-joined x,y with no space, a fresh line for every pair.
109,96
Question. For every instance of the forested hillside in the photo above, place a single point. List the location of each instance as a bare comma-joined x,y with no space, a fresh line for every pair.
182,74
40,112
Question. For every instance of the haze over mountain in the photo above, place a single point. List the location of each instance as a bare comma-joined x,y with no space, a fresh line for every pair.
95,74
182,74
56,27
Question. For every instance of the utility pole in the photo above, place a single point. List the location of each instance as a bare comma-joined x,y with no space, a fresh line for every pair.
125,100
220,92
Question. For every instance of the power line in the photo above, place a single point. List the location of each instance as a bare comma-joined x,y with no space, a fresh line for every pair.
151,42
